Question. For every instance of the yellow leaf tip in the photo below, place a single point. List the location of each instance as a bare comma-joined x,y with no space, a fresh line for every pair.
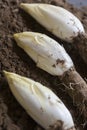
21,5
15,35
5,72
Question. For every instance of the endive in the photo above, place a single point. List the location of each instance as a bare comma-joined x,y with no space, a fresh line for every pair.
46,52
61,23
40,102
56,19
51,57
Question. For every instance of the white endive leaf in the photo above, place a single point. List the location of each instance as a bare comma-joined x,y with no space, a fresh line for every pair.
46,52
56,19
39,102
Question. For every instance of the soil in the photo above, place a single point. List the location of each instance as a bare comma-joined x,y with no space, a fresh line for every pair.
81,45
14,59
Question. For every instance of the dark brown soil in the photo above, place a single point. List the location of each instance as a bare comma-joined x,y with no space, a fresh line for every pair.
14,59
81,45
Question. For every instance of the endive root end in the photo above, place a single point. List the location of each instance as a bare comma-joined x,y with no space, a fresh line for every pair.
77,89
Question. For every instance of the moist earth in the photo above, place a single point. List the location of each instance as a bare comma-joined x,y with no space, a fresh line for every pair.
14,59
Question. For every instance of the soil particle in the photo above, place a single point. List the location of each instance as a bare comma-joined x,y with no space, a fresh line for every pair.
14,59
57,126
58,61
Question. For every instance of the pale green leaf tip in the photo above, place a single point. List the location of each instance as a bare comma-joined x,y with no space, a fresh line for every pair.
16,35
23,6
6,74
